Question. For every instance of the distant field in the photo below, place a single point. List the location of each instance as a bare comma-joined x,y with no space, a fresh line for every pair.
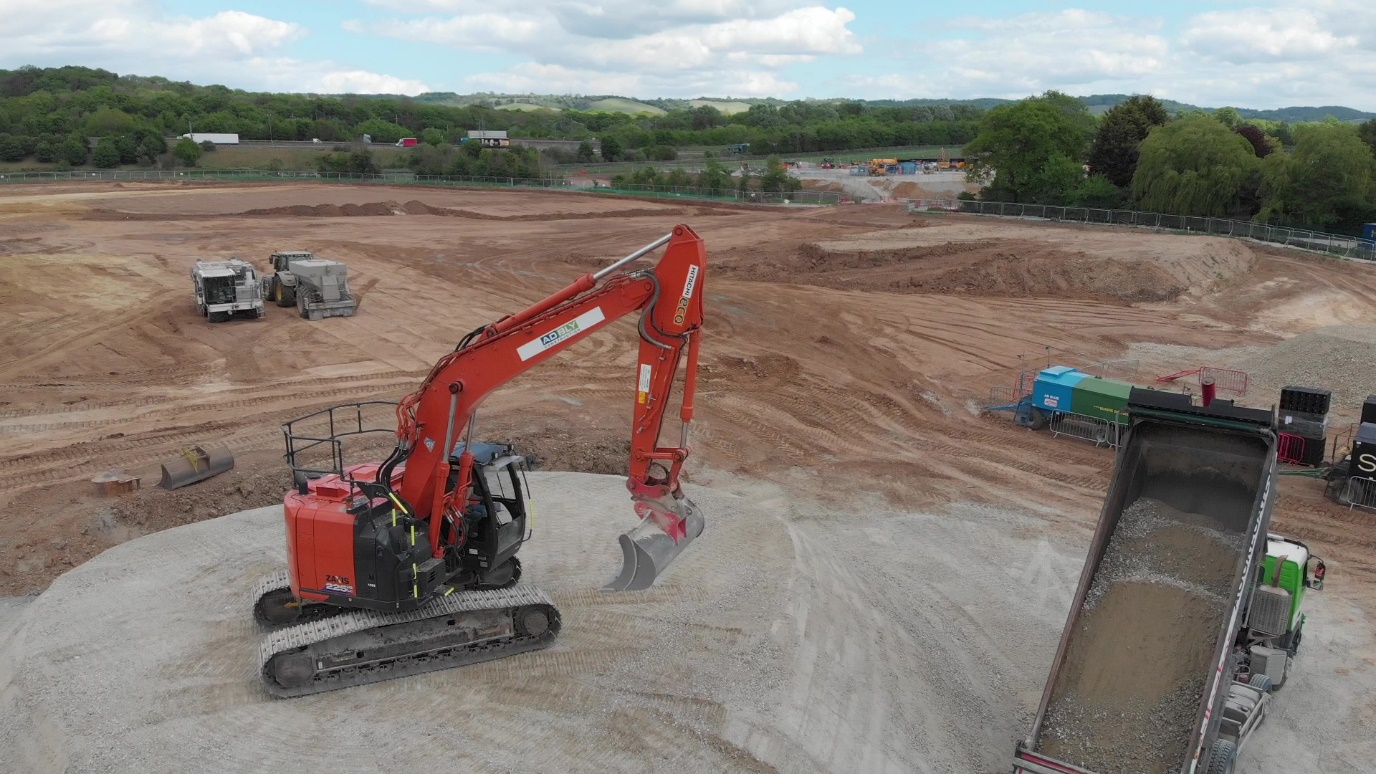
620,105
727,108
527,107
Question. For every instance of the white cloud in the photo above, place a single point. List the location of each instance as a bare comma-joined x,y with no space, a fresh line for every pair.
1283,53
557,79
364,82
235,48
1253,35
680,47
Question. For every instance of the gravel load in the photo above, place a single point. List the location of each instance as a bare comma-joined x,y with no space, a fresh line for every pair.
1127,696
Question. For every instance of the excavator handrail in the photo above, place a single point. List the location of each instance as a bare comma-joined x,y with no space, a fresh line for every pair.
333,436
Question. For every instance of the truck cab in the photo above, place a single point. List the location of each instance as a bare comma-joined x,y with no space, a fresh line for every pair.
226,288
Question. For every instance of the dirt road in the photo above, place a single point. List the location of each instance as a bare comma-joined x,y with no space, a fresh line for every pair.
846,348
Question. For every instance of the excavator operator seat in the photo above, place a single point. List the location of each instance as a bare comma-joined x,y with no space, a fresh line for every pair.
498,518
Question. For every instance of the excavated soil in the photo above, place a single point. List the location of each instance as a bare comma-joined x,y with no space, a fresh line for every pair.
848,385
990,267
1129,692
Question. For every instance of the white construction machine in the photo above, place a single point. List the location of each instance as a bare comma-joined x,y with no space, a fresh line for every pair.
226,288
317,287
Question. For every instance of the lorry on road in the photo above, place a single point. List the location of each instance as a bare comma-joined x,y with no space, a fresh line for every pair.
1189,610
226,288
219,138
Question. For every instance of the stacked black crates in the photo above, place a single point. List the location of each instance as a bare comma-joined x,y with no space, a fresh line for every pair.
1304,413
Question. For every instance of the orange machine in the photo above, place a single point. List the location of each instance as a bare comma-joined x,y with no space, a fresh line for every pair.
409,565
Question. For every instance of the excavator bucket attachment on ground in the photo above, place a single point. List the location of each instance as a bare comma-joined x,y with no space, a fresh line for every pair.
647,551
196,463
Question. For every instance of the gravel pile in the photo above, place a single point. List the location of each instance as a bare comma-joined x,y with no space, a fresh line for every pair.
1126,698
1341,358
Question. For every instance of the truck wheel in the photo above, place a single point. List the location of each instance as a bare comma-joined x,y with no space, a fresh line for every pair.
1222,757
288,296
1261,682
216,317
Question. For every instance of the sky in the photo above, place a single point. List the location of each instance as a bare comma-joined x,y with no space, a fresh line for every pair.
1251,54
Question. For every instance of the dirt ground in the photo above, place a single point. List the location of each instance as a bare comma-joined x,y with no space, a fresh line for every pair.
846,349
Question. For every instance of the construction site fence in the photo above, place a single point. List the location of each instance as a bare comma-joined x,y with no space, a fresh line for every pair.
1100,432
1359,492
402,178
1332,244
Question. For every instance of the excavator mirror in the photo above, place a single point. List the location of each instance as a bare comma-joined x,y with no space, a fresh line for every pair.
1313,573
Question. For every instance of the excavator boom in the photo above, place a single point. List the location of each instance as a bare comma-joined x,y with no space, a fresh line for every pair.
668,299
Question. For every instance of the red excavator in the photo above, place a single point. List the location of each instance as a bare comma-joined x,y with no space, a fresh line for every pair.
409,565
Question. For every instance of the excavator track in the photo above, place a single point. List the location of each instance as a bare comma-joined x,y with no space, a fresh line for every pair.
274,591
362,646
275,588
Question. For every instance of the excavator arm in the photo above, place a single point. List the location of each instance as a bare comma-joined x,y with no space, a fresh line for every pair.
433,419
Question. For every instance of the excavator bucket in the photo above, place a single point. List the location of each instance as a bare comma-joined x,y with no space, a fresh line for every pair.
647,550
196,463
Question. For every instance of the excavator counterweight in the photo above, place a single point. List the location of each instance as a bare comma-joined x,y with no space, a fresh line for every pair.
409,565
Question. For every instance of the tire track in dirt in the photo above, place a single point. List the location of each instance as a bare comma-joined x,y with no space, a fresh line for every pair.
172,412
159,400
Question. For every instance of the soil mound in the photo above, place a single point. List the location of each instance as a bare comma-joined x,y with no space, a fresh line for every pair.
985,267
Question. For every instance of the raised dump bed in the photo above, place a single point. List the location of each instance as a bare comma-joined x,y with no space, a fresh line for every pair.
1157,671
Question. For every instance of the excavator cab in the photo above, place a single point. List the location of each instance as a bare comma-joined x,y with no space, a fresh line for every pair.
496,517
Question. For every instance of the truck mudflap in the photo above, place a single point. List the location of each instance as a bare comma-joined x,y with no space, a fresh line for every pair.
1027,762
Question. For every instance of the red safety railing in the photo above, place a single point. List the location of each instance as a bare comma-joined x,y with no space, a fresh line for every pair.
1226,379
1290,448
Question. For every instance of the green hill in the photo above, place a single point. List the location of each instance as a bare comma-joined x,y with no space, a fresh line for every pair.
726,107
623,105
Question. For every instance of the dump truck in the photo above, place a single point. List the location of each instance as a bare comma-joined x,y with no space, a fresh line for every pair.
317,287
1189,611
226,288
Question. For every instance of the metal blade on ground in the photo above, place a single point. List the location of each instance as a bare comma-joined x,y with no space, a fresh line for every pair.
196,463
646,551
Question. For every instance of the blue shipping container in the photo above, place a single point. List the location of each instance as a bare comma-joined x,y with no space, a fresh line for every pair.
908,167
1052,389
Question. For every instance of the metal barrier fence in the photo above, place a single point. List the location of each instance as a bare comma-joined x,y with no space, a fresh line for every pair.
1318,241
1227,379
1290,448
1003,395
408,178
1359,493
1100,431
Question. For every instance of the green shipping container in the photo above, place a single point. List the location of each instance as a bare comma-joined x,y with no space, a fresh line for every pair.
1101,398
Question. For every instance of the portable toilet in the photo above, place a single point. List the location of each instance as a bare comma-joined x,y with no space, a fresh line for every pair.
1369,232
1053,388
907,167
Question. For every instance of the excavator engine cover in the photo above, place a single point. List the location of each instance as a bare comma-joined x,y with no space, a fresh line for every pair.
196,463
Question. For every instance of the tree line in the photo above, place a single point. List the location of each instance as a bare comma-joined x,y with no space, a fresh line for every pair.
51,115
1049,149
713,179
